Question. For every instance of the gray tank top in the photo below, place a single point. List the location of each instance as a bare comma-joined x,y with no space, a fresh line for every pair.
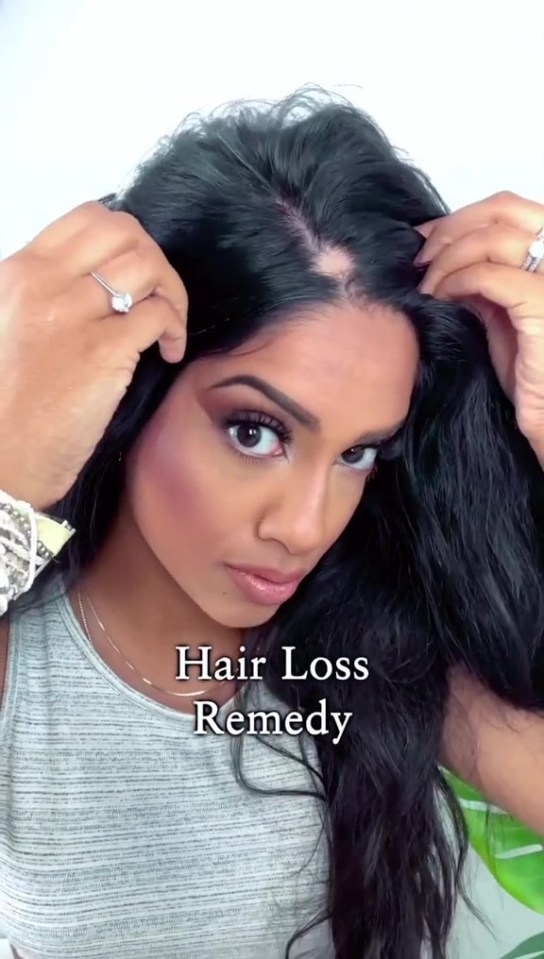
123,835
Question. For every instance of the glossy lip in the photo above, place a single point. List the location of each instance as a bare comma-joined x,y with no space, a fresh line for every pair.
257,589
272,575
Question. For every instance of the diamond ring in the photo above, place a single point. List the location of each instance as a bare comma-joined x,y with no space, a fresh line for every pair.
535,254
120,302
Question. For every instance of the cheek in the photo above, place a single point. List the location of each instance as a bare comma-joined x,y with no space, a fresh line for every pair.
348,498
174,499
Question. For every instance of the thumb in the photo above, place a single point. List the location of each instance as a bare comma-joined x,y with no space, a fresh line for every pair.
502,342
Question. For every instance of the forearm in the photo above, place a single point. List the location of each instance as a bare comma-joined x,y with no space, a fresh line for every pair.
497,749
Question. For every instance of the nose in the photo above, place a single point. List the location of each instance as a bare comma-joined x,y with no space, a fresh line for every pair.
299,514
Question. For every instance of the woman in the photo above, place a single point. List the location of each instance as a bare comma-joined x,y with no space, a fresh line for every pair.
319,475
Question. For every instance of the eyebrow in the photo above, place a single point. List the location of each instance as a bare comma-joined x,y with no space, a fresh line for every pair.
298,412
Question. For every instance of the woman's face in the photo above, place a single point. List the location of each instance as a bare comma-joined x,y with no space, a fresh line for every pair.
259,458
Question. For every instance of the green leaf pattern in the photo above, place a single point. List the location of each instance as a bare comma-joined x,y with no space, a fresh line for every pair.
512,852
532,948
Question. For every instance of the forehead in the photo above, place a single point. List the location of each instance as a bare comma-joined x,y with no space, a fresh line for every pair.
359,358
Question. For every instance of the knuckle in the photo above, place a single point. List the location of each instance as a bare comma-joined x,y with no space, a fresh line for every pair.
90,211
483,271
177,302
168,283
126,225
505,198
148,261
140,253
18,272
502,230
443,235
485,279
529,421
156,257
162,310
182,306
13,270
91,207
183,298
166,318
494,236
501,235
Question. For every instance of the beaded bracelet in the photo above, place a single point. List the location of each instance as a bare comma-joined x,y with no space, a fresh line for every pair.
23,553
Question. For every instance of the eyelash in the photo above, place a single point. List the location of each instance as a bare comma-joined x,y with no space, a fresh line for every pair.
386,450
258,419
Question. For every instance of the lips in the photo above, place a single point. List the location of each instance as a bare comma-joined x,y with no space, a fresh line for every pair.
263,590
272,575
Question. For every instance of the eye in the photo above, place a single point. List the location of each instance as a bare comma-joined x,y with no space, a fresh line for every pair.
256,435
361,458
254,440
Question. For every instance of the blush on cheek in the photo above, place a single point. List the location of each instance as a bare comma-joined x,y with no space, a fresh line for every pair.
165,502
177,496
165,470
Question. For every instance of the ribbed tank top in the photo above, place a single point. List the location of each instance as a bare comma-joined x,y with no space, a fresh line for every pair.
123,835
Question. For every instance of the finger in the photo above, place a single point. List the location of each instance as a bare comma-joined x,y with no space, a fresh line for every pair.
501,208
499,243
517,291
94,238
426,229
117,247
62,230
151,320
91,236
103,239
140,272
502,340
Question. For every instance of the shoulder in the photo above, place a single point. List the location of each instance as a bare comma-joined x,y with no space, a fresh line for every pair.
28,617
495,747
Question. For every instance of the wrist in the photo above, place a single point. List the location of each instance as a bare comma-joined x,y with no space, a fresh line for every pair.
24,492
29,539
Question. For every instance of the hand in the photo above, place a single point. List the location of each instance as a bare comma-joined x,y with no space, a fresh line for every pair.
66,359
475,255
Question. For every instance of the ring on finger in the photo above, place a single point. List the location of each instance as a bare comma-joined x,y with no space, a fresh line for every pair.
120,302
535,254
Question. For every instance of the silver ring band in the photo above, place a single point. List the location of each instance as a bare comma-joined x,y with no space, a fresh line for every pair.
120,302
535,254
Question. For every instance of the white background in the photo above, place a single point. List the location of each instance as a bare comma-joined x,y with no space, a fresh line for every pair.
88,87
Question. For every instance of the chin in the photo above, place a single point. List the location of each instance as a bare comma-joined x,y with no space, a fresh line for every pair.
240,616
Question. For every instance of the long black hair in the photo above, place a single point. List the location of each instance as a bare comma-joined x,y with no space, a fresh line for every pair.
442,562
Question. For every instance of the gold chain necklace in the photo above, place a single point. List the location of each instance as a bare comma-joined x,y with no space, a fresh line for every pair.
119,653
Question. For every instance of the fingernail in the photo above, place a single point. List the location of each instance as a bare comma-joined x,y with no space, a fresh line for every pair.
172,350
422,259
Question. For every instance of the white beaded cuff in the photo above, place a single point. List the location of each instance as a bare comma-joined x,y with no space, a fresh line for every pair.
28,542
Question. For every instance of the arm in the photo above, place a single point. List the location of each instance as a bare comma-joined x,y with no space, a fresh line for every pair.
497,749
488,254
